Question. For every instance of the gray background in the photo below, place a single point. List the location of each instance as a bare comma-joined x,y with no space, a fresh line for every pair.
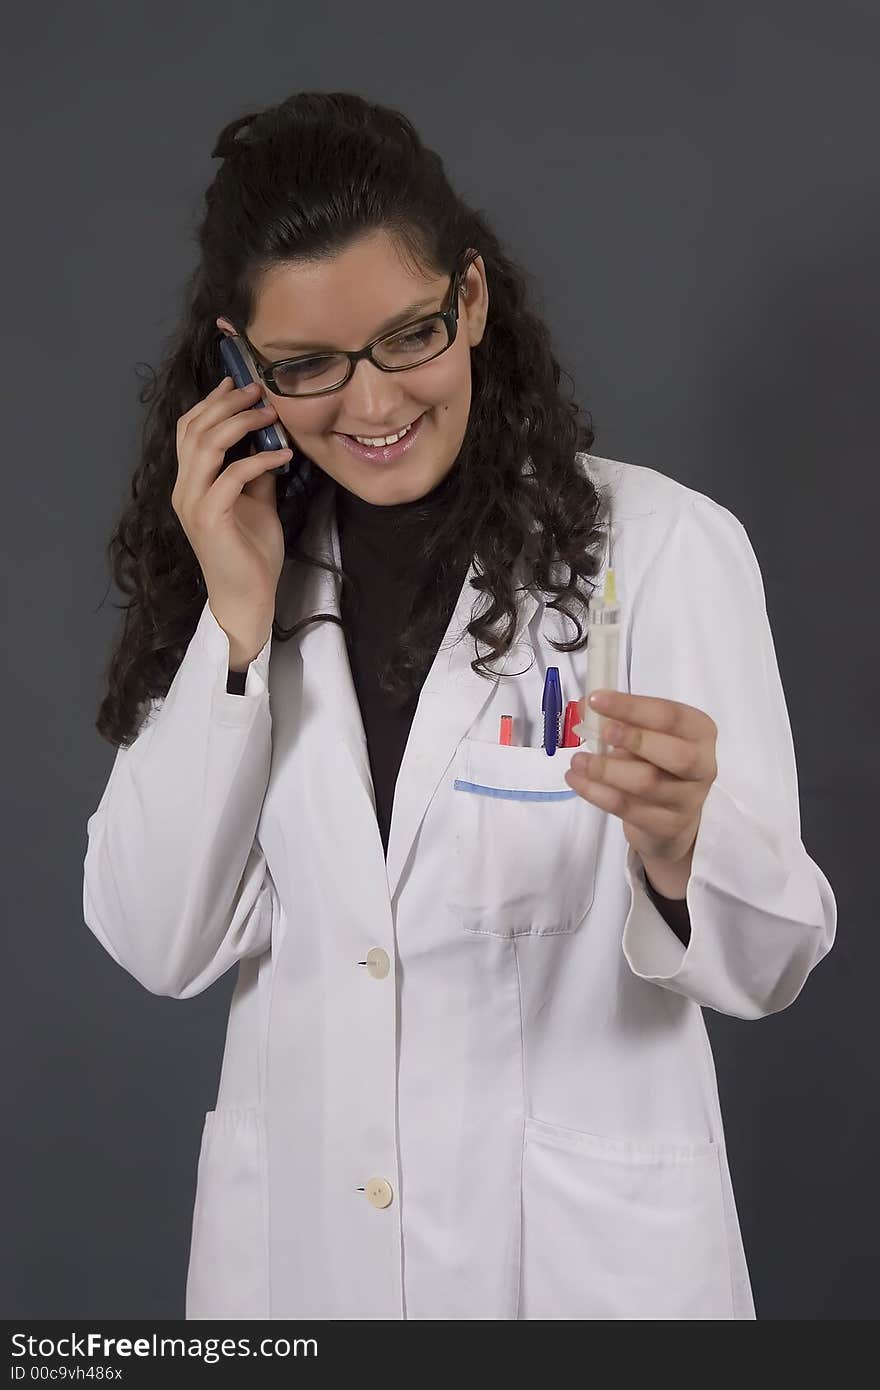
694,190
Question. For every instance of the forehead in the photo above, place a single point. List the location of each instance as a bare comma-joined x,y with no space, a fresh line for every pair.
342,300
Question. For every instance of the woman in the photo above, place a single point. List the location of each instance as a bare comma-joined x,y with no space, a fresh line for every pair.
466,1072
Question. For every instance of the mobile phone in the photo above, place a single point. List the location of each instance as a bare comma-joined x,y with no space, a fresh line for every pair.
240,366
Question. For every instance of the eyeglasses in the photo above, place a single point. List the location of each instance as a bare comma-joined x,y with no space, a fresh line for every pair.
411,346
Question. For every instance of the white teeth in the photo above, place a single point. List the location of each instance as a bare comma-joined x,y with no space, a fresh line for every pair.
387,439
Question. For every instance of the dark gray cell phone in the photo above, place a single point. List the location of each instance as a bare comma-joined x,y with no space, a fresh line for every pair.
240,366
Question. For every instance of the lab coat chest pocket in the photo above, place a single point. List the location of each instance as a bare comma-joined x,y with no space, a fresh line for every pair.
228,1263
525,844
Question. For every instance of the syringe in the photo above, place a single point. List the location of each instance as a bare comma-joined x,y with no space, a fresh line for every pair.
602,648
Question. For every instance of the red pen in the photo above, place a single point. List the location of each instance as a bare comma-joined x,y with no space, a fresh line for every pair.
572,717
505,734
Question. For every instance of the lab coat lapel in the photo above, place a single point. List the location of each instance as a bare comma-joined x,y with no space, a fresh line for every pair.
451,699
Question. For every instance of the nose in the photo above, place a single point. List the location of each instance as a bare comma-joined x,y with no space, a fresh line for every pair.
372,396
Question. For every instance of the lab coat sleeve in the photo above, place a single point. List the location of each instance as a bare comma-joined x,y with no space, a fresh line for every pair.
175,885
762,913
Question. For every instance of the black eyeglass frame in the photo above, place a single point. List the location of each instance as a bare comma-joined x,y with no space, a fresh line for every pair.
449,314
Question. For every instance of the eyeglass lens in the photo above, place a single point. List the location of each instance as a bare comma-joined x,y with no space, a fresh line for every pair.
405,349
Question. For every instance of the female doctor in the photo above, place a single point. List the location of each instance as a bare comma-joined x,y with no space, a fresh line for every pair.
466,1073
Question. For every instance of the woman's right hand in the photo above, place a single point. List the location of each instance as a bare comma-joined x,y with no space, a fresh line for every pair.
231,517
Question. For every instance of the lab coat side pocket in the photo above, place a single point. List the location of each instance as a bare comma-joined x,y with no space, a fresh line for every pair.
228,1273
525,843
619,1229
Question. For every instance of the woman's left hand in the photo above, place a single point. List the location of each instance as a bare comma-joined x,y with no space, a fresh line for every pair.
657,776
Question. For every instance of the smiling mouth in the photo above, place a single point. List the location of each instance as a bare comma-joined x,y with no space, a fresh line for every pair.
383,435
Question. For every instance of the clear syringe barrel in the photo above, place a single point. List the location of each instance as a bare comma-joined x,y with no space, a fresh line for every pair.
602,652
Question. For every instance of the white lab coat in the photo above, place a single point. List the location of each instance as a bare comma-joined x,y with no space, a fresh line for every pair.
475,1083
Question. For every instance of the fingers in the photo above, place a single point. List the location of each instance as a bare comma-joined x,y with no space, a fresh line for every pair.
631,776
223,403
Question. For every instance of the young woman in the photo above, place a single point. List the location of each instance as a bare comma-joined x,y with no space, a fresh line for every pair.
466,1072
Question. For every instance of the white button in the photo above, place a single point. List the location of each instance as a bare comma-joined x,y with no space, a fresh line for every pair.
378,963
379,1192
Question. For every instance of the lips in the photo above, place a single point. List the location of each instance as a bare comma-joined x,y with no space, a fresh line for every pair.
384,453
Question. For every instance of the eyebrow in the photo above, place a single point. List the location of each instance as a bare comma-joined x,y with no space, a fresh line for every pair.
409,312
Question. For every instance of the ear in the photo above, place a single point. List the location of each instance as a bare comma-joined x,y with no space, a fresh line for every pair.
476,294
226,327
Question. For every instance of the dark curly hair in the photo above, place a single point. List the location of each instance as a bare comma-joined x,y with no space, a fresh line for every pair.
307,178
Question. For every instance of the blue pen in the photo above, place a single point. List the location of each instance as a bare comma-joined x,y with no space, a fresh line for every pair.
551,706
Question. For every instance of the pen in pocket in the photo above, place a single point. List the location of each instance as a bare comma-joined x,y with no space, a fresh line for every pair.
569,737
572,715
551,708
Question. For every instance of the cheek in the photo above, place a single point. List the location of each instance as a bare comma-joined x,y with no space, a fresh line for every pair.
449,386
299,422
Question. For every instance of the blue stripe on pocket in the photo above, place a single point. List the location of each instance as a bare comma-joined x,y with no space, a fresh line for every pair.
462,786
